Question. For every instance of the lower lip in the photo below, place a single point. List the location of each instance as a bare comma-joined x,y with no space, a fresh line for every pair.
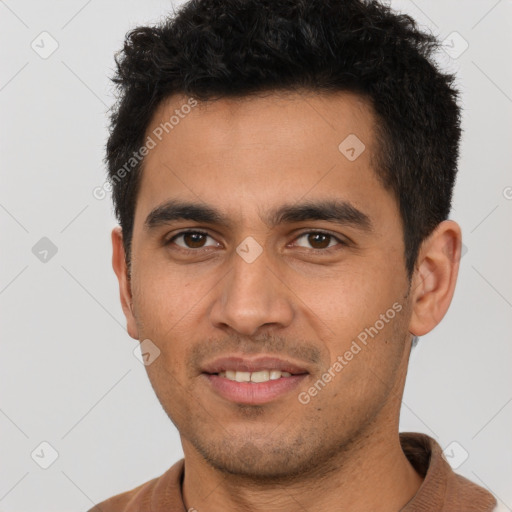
253,393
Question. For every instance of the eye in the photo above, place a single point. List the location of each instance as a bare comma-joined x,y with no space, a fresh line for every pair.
317,240
192,240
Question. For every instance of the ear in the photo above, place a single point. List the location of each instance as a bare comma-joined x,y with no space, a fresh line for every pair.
121,270
434,278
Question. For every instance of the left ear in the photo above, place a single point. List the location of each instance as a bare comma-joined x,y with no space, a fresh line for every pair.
434,278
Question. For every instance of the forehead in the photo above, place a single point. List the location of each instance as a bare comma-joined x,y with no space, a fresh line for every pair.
271,119
242,153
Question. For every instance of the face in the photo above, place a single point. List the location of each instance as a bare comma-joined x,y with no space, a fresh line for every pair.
262,246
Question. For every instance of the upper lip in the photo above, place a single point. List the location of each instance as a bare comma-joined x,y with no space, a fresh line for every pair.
245,364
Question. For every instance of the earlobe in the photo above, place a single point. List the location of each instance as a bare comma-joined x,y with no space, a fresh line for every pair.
121,271
435,275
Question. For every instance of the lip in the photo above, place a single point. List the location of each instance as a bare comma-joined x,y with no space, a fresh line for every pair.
245,364
253,393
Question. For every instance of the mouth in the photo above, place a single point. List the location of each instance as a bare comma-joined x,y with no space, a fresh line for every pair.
255,377
257,381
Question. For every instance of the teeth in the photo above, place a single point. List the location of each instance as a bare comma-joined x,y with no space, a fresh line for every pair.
259,376
243,376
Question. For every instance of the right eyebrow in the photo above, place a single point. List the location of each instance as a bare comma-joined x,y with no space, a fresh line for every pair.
173,210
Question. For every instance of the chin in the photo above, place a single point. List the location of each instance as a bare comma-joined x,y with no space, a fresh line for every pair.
265,464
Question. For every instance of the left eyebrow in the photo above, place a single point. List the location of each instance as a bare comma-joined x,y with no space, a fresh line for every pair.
339,212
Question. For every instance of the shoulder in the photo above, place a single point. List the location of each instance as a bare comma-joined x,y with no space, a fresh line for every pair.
463,492
442,488
128,501
142,497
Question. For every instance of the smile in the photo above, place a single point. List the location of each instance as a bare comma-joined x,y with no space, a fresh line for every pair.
259,376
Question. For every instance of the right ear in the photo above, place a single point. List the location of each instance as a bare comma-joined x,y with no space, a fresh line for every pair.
121,270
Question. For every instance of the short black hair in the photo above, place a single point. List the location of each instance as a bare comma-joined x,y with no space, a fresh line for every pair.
211,49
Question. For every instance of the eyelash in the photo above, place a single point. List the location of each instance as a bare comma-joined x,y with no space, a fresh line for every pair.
341,243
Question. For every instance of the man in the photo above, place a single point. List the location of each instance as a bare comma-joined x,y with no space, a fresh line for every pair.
282,172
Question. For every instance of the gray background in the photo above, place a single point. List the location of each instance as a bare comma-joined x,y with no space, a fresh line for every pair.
68,373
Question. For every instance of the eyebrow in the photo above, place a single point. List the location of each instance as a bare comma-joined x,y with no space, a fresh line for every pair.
339,212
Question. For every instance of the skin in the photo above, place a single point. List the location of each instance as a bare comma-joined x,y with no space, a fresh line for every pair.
246,157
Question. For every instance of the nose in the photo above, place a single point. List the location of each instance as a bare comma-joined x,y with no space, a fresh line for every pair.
252,298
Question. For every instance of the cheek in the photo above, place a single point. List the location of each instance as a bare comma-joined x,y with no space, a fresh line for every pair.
167,297
345,301
365,373
365,319
163,314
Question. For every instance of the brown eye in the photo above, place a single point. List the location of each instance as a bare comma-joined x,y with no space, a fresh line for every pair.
193,240
317,240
